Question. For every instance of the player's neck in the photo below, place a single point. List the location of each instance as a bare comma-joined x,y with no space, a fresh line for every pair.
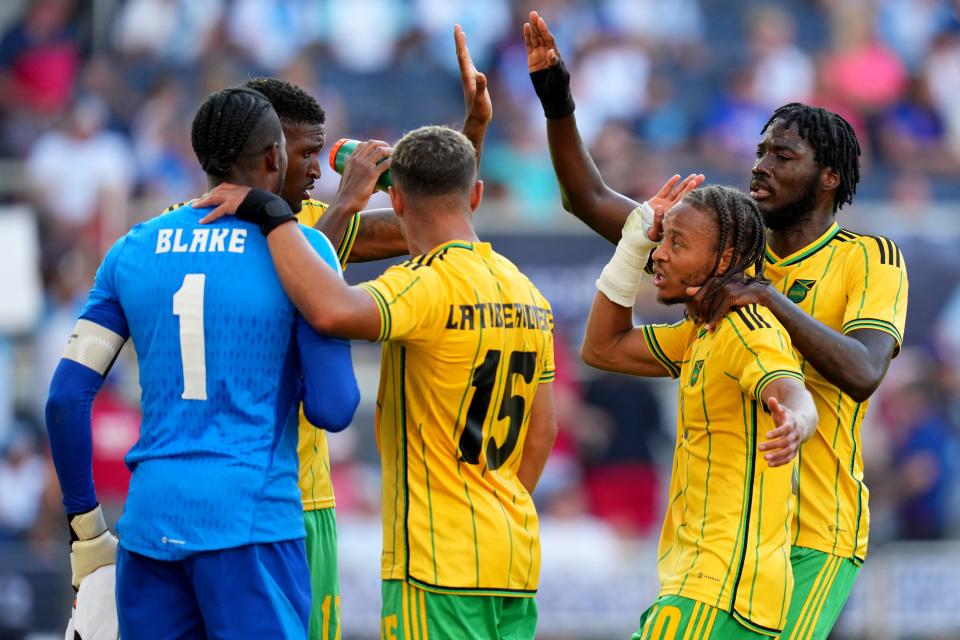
430,232
789,240
254,181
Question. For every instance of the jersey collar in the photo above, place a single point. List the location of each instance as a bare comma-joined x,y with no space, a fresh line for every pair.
806,252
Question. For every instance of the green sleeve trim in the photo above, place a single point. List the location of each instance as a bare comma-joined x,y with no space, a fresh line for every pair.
548,376
775,375
348,239
873,323
385,321
650,336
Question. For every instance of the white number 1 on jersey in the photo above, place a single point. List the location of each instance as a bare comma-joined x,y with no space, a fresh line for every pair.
188,306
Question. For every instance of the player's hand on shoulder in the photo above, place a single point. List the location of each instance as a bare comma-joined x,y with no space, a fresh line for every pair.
361,171
94,614
226,198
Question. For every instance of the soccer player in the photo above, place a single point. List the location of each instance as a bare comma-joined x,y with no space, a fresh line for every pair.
841,296
212,530
368,235
465,414
724,549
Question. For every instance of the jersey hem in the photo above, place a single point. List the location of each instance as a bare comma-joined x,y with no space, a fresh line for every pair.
318,505
827,547
470,591
153,554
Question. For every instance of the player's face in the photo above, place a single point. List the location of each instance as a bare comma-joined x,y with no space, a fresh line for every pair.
304,143
687,254
786,177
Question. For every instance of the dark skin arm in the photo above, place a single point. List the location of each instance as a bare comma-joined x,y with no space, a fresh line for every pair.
380,235
854,362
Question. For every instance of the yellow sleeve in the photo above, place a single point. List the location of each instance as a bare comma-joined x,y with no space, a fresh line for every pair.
310,214
409,298
876,278
757,349
668,343
549,367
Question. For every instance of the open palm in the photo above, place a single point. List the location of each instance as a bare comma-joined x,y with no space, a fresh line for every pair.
541,46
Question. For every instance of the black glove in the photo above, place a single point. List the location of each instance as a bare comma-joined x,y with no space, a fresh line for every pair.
268,210
553,88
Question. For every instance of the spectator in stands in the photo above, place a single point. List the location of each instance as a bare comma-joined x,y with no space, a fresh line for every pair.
913,135
782,72
23,480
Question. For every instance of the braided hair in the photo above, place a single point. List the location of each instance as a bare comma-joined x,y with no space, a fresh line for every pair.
294,105
222,128
740,226
833,140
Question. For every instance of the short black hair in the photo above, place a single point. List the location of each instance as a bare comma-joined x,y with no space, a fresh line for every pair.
434,161
834,143
293,105
740,226
232,126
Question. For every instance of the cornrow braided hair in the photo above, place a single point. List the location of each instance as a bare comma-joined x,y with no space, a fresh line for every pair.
834,143
293,105
740,226
223,125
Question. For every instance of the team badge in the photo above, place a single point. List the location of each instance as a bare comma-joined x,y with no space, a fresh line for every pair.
798,292
695,375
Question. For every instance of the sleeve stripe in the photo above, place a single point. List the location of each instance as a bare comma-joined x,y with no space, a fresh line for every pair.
548,376
744,318
755,314
873,323
384,311
883,253
654,346
348,239
775,375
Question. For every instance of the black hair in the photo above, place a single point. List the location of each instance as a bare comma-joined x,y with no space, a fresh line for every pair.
293,105
739,225
231,126
434,161
834,143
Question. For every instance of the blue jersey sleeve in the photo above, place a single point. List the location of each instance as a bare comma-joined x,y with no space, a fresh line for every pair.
331,395
97,339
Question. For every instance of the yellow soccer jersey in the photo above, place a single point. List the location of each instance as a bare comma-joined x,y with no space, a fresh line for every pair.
316,490
725,539
847,282
468,339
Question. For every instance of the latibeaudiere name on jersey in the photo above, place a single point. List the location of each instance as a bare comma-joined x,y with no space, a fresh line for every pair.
204,240
505,315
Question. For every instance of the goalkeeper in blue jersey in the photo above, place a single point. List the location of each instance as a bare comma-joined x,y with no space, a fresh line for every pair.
211,538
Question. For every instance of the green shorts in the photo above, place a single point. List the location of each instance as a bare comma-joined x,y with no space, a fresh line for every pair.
676,618
821,586
410,613
324,581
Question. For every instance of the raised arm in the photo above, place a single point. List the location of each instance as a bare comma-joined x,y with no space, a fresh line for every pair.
611,342
541,433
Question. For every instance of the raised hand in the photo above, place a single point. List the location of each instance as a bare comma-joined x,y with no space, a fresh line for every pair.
476,98
542,49
783,442
672,192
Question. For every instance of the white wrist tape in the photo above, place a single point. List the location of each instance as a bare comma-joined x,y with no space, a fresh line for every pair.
620,279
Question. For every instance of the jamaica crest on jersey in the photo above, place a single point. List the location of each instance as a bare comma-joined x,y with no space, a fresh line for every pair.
695,374
799,290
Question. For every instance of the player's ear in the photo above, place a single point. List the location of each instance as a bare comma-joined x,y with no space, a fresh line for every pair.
725,260
272,159
396,199
476,195
829,179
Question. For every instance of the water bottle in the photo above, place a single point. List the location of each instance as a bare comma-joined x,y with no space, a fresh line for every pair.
338,159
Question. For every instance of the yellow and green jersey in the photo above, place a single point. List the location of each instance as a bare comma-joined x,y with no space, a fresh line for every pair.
725,540
316,490
467,342
848,282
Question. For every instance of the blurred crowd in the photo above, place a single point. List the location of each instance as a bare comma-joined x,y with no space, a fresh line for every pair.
96,98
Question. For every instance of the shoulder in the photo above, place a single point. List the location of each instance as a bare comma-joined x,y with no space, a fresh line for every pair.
311,211
745,320
321,244
872,250
174,207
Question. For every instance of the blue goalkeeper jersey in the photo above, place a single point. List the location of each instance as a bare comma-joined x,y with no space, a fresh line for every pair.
215,465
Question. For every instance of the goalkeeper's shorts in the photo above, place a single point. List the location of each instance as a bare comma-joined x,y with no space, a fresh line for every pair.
253,591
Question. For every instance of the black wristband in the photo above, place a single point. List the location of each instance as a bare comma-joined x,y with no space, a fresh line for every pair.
268,210
553,88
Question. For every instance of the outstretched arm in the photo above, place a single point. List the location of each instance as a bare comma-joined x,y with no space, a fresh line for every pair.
611,342
794,416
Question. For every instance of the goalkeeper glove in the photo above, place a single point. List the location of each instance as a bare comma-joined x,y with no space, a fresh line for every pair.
94,614
620,279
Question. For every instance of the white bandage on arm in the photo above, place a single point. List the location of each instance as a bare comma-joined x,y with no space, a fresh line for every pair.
620,279
93,346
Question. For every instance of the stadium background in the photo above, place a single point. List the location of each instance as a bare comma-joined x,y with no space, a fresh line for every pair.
96,98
